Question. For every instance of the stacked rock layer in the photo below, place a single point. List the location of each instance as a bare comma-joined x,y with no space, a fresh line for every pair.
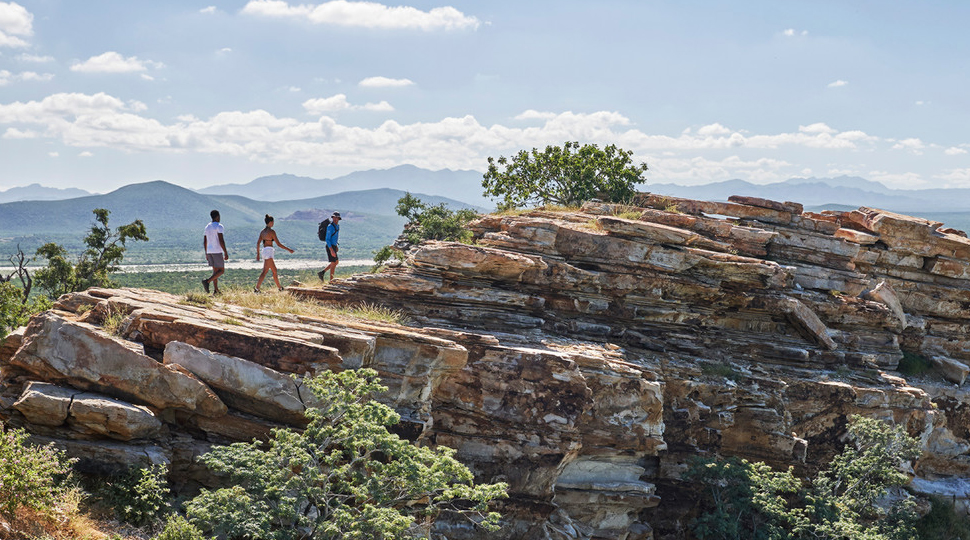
581,356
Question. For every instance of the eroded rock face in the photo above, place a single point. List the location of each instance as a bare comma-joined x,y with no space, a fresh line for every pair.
581,357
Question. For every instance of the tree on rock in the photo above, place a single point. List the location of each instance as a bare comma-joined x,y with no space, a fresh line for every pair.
105,250
344,477
567,175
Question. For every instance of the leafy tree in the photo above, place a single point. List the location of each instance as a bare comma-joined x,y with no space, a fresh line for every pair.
345,476
750,500
105,250
434,222
16,304
568,175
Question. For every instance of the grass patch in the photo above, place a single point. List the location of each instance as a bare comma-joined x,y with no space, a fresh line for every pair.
113,322
914,364
632,215
198,299
286,304
232,321
720,370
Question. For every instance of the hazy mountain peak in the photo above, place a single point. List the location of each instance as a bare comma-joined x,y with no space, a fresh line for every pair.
37,192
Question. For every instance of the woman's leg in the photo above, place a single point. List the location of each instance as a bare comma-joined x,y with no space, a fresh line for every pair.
272,266
266,267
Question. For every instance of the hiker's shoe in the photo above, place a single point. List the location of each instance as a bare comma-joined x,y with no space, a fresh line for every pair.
322,275
281,289
256,290
205,285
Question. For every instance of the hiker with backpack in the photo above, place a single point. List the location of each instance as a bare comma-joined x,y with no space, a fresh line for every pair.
328,231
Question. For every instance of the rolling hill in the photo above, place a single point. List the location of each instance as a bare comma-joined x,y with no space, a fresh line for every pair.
174,217
464,186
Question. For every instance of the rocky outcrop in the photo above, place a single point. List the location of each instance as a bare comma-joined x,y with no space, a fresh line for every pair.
582,356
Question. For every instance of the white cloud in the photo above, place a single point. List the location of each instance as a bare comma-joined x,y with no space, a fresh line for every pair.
209,9
147,77
383,106
818,127
713,129
15,21
709,153
113,62
384,82
225,50
323,105
921,102
364,14
14,133
838,83
908,180
533,114
53,154
913,145
85,154
791,32
35,58
339,103
956,178
7,77
955,151
294,89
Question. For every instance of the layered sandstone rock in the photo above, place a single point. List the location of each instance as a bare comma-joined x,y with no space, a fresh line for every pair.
580,357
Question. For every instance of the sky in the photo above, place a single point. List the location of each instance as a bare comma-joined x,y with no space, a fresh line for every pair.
100,94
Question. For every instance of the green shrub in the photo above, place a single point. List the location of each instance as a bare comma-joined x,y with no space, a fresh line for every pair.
385,254
178,528
437,222
34,477
344,476
139,496
943,522
750,501
914,364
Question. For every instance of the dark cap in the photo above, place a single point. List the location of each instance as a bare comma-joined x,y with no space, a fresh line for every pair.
335,215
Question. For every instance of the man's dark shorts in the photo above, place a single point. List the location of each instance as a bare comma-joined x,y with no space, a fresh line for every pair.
216,260
332,257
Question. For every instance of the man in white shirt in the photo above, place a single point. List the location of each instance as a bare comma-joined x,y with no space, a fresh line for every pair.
215,251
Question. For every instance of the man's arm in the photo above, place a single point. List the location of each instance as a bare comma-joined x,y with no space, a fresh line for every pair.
222,242
205,243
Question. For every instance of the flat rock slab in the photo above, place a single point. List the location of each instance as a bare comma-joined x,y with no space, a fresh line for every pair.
86,357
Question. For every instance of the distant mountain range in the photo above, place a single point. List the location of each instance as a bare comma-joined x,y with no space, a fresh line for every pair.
464,186
174,217
826,192
37,192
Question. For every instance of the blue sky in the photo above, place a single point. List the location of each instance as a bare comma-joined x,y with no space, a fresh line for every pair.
101,94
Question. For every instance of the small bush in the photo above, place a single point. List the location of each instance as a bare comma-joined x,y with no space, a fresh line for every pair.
140,496
34,477
914,364
178,528
943,522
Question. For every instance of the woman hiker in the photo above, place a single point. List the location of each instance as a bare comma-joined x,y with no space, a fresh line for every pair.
266,237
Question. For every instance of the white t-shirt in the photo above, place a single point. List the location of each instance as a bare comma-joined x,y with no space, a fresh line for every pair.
212,232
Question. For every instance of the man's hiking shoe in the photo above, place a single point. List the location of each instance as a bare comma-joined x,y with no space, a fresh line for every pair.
205,285
256,290
322,275
281,289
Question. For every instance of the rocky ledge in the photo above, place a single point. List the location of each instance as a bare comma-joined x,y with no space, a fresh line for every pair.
580,356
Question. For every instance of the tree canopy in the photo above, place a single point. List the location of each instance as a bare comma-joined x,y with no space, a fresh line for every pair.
568,175
105,250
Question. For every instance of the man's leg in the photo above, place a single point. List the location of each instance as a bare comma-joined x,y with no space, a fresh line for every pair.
215,279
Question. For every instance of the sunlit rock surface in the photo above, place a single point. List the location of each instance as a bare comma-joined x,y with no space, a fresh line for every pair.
582,357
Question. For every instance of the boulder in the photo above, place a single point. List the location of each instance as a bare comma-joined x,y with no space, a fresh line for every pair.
86,357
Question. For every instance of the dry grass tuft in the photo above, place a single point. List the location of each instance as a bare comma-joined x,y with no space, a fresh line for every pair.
287,304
